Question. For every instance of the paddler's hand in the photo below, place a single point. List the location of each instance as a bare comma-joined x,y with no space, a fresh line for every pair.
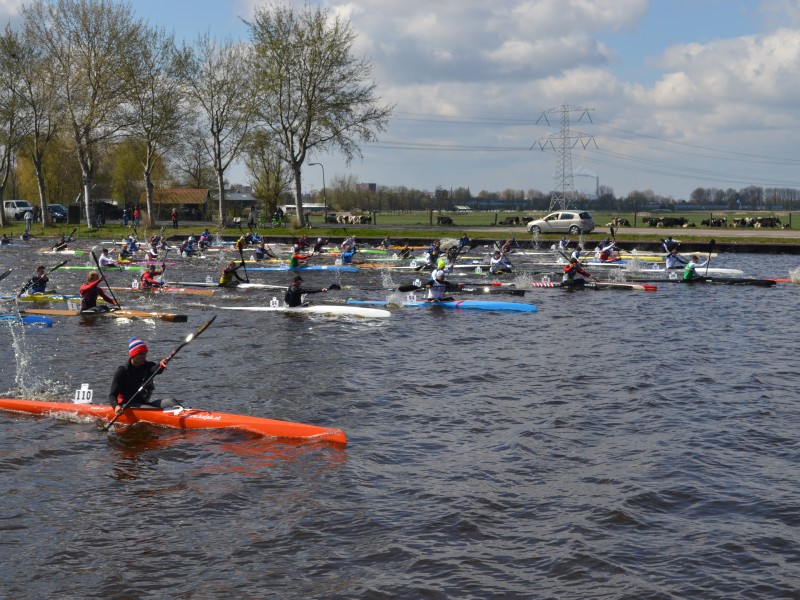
118,408
163,364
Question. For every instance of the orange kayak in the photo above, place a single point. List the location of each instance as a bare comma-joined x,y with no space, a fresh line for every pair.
180,418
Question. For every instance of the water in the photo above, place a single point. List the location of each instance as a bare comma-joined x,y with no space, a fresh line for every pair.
612,445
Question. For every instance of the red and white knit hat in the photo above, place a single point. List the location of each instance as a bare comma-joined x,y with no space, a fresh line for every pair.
136,347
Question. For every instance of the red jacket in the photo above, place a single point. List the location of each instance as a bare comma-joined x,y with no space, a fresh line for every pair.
89,293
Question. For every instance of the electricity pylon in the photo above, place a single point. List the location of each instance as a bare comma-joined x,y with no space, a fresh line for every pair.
563,143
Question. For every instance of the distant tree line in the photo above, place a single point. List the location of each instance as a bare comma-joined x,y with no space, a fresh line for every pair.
346,194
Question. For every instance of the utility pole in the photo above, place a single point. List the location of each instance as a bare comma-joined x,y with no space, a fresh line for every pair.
563,143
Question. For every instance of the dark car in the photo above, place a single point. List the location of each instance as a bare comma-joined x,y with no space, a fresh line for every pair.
58,213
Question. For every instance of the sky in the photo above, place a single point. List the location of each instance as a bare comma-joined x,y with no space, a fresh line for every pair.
661,95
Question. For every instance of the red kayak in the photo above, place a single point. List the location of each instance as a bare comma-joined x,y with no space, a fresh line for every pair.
180,418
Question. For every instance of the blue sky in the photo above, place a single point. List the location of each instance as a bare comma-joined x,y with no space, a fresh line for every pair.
683,93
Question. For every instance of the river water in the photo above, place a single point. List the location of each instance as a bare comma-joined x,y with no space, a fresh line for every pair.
612,445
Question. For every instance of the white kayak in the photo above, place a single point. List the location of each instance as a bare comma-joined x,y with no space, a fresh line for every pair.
337,310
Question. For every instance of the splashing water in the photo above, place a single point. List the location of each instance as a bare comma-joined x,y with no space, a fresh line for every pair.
794,275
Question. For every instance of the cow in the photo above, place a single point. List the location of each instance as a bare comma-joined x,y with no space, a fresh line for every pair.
444,221
617,222
510,221
767,222
744,222
714,222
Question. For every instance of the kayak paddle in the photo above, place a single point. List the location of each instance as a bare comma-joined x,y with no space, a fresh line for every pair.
97,262
189,338
710,247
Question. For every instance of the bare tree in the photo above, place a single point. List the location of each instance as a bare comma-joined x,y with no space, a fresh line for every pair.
312,92
38,93
270,177
217,82
90,43
157,100
14,118
191,160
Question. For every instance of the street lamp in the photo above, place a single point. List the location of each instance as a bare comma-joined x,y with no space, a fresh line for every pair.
324,195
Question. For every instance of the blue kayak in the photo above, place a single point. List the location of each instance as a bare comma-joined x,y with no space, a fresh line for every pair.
29,319
459,305
341,268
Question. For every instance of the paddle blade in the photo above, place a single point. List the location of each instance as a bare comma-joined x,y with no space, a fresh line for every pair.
410,287
334,286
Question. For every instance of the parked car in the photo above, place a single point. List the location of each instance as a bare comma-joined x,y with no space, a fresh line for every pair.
573,222
16,209
58,212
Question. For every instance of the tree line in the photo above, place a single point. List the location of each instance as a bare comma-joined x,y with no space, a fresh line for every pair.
87,83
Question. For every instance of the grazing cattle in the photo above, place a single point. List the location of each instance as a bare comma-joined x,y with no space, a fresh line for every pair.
744,222
444,221
617,222
510,221
767,222
665,221
723,222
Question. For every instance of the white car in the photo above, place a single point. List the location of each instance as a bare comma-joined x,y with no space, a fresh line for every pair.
573,222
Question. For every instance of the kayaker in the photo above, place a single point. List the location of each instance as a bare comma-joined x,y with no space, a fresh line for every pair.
464,241
294,295
38,283
437,286
318,247
263,251
230,277
571,272
347,255
605,251
61,244
405,252
91,290
669,244
5,240
576,254
149,280
351,241
499,263
131,376
297,259
690,270
674,260
105,259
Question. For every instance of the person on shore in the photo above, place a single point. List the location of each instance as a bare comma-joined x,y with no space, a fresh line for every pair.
28,221
294,295
148,279
229,276
134,374
174,218
91,290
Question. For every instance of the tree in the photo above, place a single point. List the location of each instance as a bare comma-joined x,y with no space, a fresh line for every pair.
157,100
38,94
14,120
217,81
192,160
313,94
270,177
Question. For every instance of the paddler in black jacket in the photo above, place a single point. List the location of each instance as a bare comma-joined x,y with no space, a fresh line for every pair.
132,375
294,295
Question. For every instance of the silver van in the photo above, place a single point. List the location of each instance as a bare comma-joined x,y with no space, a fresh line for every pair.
16,209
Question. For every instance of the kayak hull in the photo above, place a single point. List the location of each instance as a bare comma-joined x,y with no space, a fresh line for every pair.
320,309
180,418
457,305
598,285
118,314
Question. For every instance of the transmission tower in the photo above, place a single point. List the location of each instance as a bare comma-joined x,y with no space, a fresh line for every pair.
564,190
